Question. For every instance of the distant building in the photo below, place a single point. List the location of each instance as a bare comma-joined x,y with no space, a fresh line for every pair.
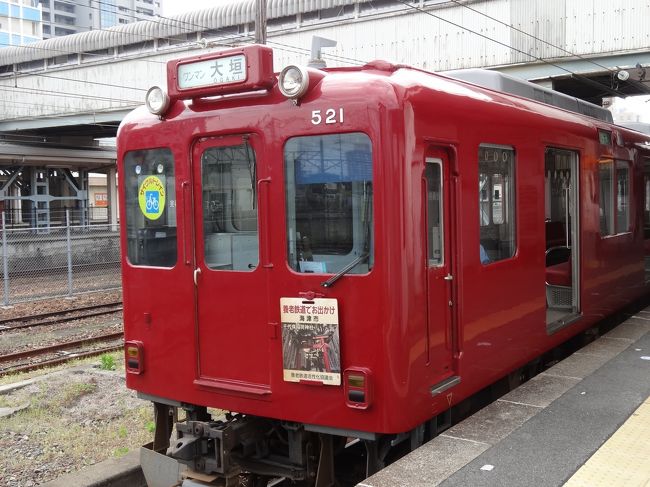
20,22
61,18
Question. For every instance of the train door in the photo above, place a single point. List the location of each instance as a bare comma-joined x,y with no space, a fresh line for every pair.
562,238
231,287
439,274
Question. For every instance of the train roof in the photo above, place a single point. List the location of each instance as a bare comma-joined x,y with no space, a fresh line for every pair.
525,89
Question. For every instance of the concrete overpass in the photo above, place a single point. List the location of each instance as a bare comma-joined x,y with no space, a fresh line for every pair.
66,92
92,79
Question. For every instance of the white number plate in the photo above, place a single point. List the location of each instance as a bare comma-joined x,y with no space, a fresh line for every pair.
327,116
219,71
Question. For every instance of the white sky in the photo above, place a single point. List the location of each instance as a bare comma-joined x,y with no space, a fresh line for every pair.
174,7
632,109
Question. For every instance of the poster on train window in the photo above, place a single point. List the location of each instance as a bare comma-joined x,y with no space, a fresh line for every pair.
310,340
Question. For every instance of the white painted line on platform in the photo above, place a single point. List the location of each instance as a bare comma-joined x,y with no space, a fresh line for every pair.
464,439
521,403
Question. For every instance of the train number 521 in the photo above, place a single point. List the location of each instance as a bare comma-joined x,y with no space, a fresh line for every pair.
329,116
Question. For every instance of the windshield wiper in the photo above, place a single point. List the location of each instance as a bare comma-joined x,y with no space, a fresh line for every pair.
330,282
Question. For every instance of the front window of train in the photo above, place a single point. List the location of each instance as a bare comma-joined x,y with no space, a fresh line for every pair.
150,207
329,203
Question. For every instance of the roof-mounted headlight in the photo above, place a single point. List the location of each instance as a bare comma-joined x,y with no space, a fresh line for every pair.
293,81
157,100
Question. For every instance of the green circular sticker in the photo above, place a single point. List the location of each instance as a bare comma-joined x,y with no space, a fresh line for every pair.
151,197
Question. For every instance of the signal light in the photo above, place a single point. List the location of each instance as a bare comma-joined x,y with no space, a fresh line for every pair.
357,384
134,357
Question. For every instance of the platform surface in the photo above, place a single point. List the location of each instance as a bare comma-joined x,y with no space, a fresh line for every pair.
554,429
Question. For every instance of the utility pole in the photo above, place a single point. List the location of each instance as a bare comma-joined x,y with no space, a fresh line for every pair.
260,22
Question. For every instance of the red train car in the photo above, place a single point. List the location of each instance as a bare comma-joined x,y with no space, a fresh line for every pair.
345,253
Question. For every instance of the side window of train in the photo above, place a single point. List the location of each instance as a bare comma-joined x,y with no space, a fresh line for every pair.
496,189
329,203
229,197
149,187
614,196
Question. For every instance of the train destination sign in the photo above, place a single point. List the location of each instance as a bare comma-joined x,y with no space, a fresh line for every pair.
310,340
213,72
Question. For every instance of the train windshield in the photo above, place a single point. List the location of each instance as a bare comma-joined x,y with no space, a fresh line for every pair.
150,207
329,203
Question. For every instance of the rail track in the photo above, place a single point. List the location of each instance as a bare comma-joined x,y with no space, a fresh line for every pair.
60,353
56,317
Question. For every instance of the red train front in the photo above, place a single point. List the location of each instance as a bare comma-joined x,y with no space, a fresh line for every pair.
309,253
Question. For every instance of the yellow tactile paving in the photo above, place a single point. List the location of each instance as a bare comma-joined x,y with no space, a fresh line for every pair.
624,459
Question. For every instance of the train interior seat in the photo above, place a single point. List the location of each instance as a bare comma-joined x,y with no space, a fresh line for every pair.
555,234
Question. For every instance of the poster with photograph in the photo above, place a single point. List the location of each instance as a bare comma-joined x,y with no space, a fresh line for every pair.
310,340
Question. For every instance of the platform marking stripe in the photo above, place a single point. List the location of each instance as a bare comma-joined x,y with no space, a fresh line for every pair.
444,435
623,459
521,403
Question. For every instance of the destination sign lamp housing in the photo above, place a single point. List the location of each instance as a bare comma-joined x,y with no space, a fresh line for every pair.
239,70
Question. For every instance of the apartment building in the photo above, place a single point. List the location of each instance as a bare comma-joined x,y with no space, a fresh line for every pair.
63,17
20,22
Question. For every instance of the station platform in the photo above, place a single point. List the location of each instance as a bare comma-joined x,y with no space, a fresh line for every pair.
583,422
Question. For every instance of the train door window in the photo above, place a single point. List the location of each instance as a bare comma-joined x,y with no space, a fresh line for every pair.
614,197
497,220
622,197
329,203
149,188
433,176
229,197
606,175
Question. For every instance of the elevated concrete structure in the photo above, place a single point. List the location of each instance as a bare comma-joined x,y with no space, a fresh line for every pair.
79,87
581,46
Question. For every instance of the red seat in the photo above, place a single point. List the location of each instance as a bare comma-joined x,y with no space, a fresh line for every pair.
559,274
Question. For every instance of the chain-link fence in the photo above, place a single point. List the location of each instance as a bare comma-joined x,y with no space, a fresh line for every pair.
60,261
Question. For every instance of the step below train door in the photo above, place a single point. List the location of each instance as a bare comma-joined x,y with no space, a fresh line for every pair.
231,287
442,339
562,222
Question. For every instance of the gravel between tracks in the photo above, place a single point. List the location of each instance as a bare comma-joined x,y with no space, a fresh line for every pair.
61,304
74,415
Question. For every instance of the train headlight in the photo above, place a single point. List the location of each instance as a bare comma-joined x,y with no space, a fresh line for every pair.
293,81
157,100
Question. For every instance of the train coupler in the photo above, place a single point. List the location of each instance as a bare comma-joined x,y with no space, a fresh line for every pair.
243,445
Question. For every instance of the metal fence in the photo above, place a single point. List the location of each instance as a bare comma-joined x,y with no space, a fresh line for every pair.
58,217
65,261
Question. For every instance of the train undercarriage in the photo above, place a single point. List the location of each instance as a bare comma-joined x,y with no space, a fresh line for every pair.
247,451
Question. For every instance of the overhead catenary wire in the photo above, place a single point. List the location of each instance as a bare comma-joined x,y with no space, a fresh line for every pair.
297,50
21,89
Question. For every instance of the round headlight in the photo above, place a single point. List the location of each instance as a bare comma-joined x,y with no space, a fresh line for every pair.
157,100
293,81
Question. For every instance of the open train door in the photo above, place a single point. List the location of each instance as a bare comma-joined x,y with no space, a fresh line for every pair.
438,210
562,220
227,177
